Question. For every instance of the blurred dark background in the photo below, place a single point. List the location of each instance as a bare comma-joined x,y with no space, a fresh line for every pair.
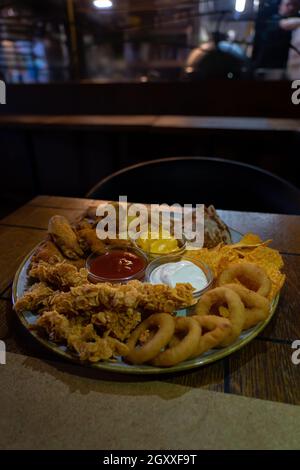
95,86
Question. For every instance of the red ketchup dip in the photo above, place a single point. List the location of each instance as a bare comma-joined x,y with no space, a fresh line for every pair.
118,265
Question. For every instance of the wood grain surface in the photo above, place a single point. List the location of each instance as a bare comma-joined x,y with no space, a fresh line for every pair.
15,242
38,217
285,325
284,230
262,369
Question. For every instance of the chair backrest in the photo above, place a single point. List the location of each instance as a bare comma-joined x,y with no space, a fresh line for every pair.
189,180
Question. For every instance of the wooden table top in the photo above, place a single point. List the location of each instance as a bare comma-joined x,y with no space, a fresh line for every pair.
262,369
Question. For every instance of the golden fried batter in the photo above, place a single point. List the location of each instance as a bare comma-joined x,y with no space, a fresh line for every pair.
134,294
64,236
61,275
118,348
81,338
47,252
56,325
93,348
162,298
88,240
36,298
92,351
119,324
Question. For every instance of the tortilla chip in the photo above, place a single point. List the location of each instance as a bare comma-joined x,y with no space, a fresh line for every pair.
263,255
217,258
220,257
250,239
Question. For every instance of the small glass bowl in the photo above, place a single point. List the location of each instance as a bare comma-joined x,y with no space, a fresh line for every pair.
173,258
123,280
152,256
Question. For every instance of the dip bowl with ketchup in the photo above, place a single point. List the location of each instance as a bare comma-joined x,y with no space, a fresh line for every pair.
117,264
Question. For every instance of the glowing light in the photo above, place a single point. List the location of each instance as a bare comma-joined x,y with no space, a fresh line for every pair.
231,34
103,3
256,4
240,5
189,69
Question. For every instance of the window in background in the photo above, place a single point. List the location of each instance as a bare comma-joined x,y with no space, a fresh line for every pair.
135,40
33,42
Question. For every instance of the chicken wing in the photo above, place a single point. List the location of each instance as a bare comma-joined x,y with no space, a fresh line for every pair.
89,242
64,236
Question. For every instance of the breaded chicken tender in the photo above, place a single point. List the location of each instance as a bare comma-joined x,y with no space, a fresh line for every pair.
36,298
57,326
81,338
134,294
61,275
162,298
91,347
92,351
119,324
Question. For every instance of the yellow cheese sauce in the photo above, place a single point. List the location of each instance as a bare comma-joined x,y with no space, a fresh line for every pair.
158,243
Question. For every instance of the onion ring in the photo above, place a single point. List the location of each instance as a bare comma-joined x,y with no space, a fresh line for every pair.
249,273
236,310
186,346
218,329
257,307
165,325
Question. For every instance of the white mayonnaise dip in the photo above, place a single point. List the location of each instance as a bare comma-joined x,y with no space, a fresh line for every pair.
181,271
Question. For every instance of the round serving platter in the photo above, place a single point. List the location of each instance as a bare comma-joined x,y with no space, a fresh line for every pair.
22,283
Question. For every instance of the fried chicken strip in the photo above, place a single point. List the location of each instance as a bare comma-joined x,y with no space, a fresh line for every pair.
162,298
81,338
61,275
47,252
91,351
56,325
119,324
91,347
36,298
134,294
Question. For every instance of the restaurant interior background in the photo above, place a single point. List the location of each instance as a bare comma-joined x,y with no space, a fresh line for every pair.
95,86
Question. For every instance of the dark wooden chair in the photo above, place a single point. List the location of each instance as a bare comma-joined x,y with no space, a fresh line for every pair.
224,183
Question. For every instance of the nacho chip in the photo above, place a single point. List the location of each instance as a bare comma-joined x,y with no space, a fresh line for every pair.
220,257
217,258
250,239
263,255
